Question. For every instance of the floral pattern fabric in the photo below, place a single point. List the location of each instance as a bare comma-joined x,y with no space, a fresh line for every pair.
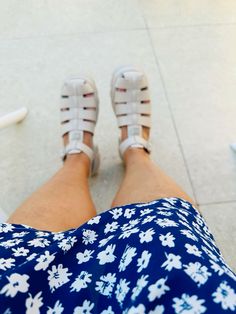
157,257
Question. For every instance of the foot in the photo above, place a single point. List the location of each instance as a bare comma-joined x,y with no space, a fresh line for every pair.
79,111
124,129
129,92
87,136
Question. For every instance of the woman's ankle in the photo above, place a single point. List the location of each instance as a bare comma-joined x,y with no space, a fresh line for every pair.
134,154
78,161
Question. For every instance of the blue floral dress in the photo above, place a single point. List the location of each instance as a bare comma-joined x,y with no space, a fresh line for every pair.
155,258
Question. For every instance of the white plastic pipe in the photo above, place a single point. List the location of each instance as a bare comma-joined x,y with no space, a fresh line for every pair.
233,146
13,117
5,121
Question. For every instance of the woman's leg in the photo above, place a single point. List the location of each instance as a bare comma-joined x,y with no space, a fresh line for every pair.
144,181
64,202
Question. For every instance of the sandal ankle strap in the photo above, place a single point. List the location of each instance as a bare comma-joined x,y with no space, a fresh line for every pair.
76,147
134,141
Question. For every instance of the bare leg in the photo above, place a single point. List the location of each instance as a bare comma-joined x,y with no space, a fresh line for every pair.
64,202
144,181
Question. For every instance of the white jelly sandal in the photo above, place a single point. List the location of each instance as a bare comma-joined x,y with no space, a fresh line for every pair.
79,113
131,104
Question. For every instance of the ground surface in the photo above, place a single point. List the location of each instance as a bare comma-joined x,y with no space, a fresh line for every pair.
188,50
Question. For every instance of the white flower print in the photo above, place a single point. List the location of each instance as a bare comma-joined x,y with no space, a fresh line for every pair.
129,212
207,236
86,308
211,242
189,234
42,234
206,230
130,225
146,204
81,281
71,231
166,209
145,211
184,212
20,251
148,219
105,241
5,227
122,289
171,200
94,220
39,242
33,304
17,283
197,272
192,249
158,289
111,227
206,239
141,283
173,261
169,206
84,257
31,256
210,245
127,257
210,254
89,236
185,205
188,305
67,243
19,234
186,224
200,220
9,243
222,260
165,213
26,226
167,239
165,222
182,217
226,296
143,261
107,255
146,236
140,309
58,276
44,260
116,212
58,236
217,268
108,311
57,309
159,309
106,284
229,272
197,227
6,263
127,233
